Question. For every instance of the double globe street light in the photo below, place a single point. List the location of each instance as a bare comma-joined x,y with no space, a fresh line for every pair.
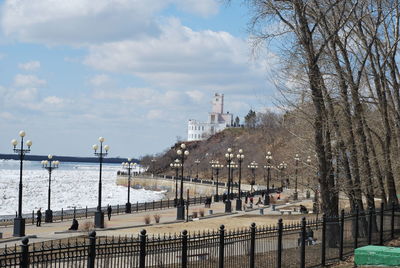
240,158
253,166
215,165
282,166
99,215
308,178
176,165
180,209
197,162
129,166
49,165
19,222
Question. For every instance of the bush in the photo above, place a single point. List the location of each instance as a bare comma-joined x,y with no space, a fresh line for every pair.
87,226
147,219
194,214
157,218
201,212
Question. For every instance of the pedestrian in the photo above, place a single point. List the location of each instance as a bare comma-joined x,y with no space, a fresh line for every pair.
109,210
39,217
251,200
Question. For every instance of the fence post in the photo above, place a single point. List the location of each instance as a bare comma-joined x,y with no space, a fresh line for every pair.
221,246
92,249
356,231
168,202
279,251
137,206
117,209
161,204
24,253
142,257
392,222
184,248
303,243
153,205
370,226
86,212
252,244
381,225
62,214
74,212
323,241
145,206
341,235
33,217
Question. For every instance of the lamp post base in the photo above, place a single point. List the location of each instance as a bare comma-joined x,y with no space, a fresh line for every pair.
295,196
216,198
128,208
19,227
48,216
228,206
266,199
99,219
239,204
180,212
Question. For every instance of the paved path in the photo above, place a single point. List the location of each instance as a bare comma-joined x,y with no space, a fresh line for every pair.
118,225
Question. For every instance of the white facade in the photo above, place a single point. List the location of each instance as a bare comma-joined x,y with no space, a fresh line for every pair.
217,121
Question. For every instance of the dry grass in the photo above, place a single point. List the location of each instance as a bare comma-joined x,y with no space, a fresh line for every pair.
87,226
147,219
157,218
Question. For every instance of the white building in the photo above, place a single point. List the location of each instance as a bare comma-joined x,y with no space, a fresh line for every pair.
217,121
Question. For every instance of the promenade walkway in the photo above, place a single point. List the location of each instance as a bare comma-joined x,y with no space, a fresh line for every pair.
131,224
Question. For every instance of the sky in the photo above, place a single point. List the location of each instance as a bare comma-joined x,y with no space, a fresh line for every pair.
131,71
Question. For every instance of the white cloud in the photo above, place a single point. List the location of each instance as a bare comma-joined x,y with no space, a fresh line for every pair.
88,21
182,58
22,80
26,96
100,80
29,66
53,100
155,114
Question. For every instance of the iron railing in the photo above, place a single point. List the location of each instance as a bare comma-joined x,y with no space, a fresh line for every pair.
283,245
76,213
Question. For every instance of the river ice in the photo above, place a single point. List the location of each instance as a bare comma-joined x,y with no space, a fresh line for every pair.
73,185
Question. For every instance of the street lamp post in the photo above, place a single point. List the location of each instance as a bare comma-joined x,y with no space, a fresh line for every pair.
180,212
268,157
19,222
296,160
240,157
229,157
308,178
282,166
50,165
234,166
153,161
176,165
253,166
99,215
129,166
197,162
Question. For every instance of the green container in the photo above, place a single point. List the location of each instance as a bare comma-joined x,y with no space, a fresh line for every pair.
377,255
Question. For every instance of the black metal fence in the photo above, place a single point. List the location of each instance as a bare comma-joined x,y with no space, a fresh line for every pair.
67,214
304,244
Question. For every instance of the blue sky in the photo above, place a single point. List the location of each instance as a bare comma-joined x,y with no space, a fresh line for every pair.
132,71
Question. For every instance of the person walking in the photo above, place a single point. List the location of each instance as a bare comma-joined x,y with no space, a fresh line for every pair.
39,217
109,211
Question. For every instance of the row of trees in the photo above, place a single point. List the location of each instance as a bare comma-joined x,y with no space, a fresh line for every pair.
339,64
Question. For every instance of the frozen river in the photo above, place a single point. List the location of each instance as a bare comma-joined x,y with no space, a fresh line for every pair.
73,185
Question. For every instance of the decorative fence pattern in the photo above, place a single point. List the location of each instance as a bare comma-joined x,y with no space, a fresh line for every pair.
273,246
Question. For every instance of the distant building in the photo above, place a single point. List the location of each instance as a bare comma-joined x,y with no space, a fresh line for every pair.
217,121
